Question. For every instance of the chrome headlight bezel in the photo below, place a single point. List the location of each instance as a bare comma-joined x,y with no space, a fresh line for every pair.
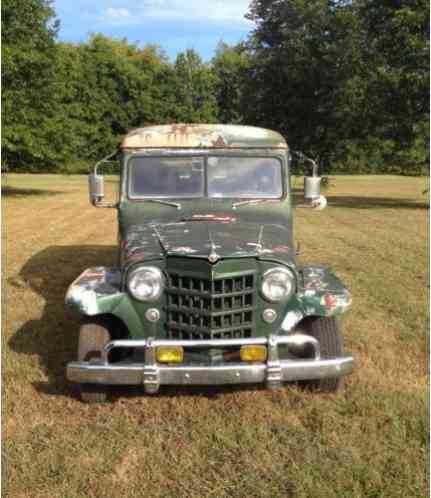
285,276
142,273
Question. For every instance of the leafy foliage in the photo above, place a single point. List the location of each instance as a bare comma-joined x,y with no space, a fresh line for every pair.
229,66
195,89
28,74
346,81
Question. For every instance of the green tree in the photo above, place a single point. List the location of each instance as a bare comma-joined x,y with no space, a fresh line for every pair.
396,81
345,80
29,29
303,55
108,87
195,89
229,65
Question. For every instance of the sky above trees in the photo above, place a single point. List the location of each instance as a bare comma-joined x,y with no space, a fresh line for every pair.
175,24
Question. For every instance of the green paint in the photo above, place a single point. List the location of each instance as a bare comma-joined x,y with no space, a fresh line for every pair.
250,239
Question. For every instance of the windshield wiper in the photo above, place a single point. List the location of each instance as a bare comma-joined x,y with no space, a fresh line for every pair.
249,201
166,203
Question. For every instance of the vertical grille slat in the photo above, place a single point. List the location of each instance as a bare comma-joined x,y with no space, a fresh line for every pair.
199,308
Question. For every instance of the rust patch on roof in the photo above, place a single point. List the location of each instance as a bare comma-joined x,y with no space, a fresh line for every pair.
202,136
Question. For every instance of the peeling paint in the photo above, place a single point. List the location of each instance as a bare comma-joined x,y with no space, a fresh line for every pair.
214,217
282,249
291,319
185,250
202,136
88,293
201,238
265,251
322,293
309,292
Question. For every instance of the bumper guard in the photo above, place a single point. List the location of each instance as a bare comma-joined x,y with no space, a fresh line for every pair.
152,374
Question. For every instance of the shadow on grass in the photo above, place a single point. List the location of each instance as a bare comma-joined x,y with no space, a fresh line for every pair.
54,337
209,392
375,202
364,202
8,191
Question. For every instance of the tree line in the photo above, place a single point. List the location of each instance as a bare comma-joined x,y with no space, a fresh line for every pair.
345,81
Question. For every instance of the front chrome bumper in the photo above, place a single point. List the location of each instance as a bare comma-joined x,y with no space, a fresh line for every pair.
152,374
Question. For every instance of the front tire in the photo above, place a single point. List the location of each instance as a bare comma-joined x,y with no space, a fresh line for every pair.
93,335
327,331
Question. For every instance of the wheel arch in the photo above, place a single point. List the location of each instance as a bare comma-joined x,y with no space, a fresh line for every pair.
116,326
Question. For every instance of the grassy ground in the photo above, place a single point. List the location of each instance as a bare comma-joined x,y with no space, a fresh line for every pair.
371,440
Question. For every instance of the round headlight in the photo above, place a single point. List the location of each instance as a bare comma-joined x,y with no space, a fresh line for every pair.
277,284
146,283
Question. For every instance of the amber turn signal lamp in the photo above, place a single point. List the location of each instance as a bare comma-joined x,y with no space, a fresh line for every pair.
253,353
170,354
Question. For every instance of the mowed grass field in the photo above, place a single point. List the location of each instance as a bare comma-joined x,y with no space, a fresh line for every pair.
369,440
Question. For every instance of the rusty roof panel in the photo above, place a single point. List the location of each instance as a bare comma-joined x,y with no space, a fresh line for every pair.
202,136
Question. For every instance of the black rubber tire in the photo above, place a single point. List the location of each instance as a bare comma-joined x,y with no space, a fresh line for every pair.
93,335
327,331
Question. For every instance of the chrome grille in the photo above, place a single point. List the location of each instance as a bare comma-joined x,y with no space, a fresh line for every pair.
200,308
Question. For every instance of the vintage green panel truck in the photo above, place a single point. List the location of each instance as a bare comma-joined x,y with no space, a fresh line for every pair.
207,289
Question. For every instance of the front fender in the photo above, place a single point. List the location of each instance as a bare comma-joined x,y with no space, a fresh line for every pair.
320,293
95,291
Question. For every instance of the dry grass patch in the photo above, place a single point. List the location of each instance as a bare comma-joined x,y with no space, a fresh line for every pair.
371,439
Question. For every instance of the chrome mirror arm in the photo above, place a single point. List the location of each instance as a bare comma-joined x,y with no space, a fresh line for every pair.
300,155
96,182
104,160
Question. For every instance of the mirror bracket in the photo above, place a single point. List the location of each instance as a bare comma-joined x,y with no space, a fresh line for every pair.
101,204
317,203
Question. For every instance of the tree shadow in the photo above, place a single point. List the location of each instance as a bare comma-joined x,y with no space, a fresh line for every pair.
54,337
375,202
9,191
208,392
365,202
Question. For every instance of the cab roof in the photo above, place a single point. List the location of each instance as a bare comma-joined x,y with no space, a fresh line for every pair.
202,136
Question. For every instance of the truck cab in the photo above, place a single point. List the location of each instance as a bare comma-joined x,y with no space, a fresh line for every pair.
207,289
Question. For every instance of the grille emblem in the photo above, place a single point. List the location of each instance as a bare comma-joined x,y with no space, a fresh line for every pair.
213,257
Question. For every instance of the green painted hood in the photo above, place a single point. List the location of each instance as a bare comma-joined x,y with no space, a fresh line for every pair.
200,239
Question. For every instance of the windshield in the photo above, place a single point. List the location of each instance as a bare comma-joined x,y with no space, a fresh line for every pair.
167,177
257,177
215,177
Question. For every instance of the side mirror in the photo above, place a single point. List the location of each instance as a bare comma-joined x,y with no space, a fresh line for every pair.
312,187
312,192
96,185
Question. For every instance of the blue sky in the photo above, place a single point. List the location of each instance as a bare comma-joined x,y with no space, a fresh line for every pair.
175,25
